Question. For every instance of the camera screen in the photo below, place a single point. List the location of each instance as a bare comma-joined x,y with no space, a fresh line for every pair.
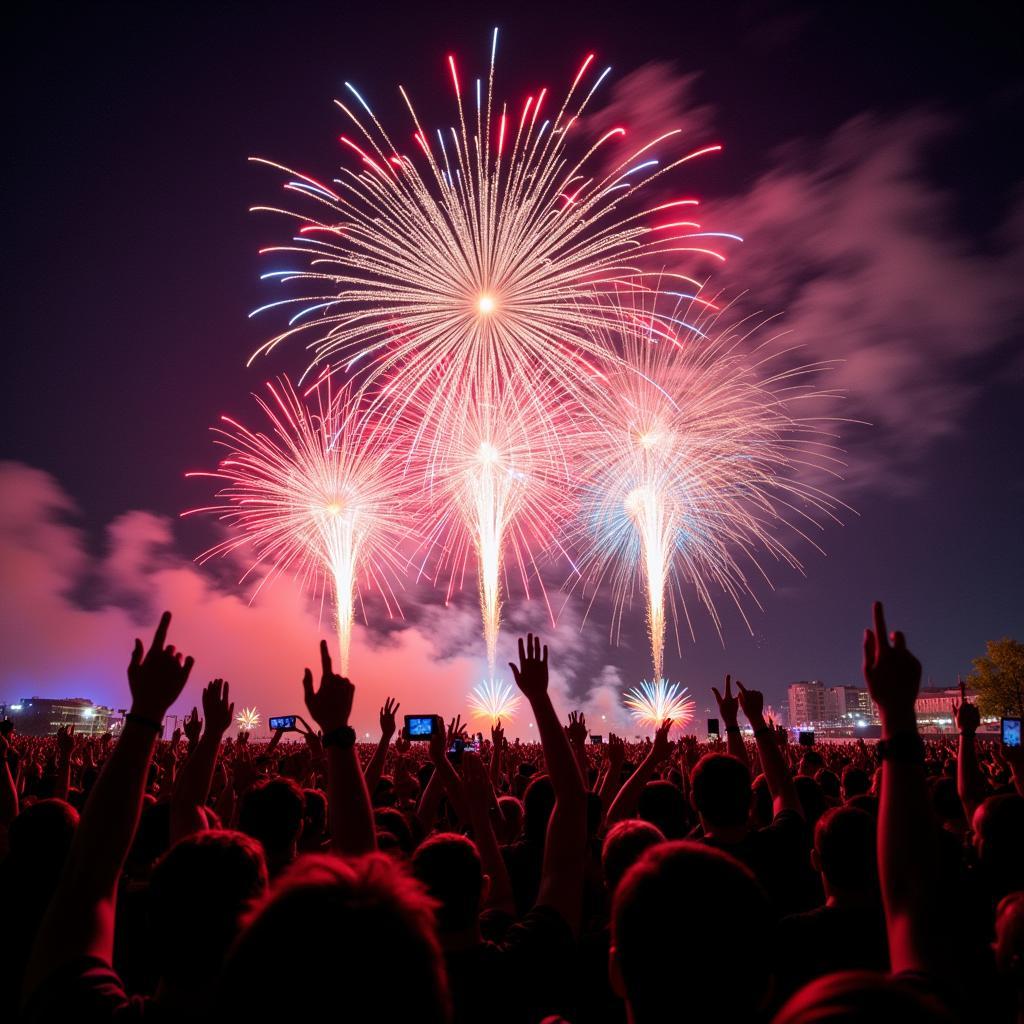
1011,732
419,726
283,722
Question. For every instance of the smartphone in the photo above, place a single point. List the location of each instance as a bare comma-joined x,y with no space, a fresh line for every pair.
596,739
713,727
1011,732
473,745
419,727
284,723
806,738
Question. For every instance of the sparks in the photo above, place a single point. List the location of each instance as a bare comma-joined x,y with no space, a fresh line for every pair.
248,719
651,703
324,495
493,700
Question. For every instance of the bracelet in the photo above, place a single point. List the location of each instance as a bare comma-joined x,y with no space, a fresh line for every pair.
732,728
142,720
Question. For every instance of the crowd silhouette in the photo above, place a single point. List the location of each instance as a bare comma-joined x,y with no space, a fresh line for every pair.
205,878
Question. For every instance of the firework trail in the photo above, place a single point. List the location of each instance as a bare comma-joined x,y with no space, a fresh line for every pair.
694,462
488,253
324,495
494,700
651,703
497,488
248,719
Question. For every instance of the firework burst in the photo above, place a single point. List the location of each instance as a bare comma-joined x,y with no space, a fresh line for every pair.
248,719
323,495
651,703
487,254
493,700
694,468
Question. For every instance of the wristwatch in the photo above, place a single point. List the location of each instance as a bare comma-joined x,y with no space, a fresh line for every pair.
343,737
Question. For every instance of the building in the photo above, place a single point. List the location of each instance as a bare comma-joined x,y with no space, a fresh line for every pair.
852,704
934,707
807,704
41,716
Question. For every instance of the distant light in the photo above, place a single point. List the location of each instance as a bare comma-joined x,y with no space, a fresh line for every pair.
88,712
15,707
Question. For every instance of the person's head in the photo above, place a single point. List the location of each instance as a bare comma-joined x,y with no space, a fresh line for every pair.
828,782
664,806
40,836
812,800
538,803
332,933
623,845
675,910
449,866
272,812
946,801
761,808
387,819
720,788
856,782
314,820
218,876
811,762
1009,944
999,841
861,997
510,824
844,851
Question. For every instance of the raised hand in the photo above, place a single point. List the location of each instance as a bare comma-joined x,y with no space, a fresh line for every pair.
218,710
728,706
156,677
456,730
751,703
615,751
662,748
497,736
892,673
402,745
193,726
531,675
577,727
965,714
331,705
387,717
65,741
175,738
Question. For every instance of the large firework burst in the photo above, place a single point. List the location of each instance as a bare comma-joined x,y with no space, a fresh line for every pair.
248,719
696,464
323,495
490,251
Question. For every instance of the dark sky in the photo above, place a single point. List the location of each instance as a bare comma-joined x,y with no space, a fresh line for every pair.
131,259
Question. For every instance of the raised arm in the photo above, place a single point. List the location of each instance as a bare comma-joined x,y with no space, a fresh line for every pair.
497,749
447,776
349,811
561,884
80,920
387,729
8,789
970,784
624,805
906,830
576,730
196,776
480,802
729,712
65,748
776,772
615,754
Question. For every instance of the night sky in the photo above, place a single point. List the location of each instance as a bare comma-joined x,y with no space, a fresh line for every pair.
870,161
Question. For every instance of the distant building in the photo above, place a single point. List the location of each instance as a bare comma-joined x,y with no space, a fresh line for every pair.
934,706
41,716
853,704
807,703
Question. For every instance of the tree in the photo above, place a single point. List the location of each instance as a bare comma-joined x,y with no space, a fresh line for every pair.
998,678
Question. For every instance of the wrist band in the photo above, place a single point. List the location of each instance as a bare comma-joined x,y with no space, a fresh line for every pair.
142,720
732,728
344,737
907,747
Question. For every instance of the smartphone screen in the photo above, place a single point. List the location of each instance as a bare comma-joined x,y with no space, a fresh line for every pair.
283,722
1011,732
419,727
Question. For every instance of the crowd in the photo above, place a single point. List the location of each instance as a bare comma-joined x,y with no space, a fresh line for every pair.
205,878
